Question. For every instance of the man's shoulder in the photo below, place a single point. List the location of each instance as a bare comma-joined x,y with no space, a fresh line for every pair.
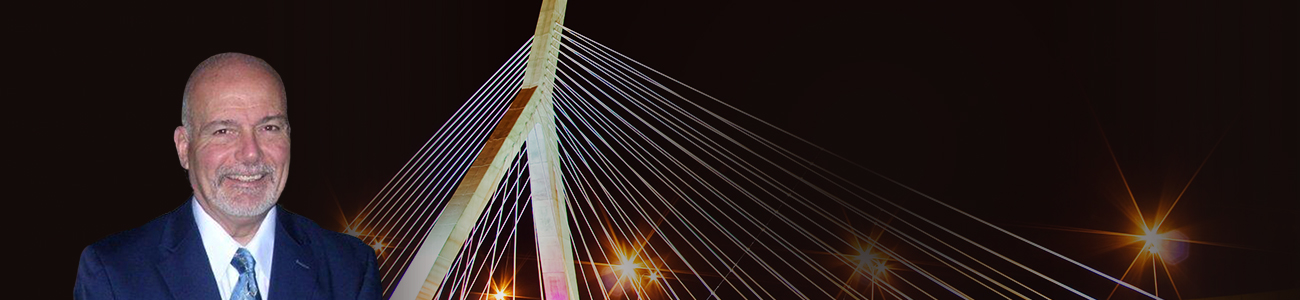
123,264
135,241
352,265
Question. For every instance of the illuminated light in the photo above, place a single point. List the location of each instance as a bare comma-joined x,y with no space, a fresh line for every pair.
871,262
867,257
628,267
1150,236
1153,241
877,268
377,245
654,276
353,232
500,296
1170,245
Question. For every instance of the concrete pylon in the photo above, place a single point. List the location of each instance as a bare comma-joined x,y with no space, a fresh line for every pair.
530,117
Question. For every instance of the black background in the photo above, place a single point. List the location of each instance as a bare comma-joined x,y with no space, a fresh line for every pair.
994,106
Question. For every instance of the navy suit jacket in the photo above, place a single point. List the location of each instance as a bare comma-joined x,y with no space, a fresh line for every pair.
165,259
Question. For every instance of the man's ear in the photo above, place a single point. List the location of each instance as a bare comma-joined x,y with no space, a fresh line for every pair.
182,139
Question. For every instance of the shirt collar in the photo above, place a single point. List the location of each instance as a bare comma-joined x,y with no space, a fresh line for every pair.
221,247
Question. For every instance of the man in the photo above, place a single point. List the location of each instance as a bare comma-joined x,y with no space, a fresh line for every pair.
230,241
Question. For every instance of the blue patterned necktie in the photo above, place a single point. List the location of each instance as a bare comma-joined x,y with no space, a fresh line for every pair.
246,288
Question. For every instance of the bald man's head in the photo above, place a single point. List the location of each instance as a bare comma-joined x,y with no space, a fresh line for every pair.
228,66
234,141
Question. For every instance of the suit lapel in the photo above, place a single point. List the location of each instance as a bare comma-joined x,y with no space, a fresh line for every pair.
294,270
184,264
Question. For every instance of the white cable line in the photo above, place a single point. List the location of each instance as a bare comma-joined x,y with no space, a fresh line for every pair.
651,257
445,181
739,243
731,237
469,251
1022,285
676,129
475,241
669,123
492,86
814,266
463,147
498,220
705,241
622,190
575,215
1113,279
462,156
644,238
460,167
995,281
653,251
503,192
459,114
398,249
954,260
586,219
404,236
1013,279
464,142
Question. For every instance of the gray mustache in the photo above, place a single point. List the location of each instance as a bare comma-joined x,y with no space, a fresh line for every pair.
246,170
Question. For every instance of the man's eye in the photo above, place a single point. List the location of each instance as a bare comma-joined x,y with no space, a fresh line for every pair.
222,131
271,127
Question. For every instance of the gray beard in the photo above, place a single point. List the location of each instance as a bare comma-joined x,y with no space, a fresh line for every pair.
225,203
265,197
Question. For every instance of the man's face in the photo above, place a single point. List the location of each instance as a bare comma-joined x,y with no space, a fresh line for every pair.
237,149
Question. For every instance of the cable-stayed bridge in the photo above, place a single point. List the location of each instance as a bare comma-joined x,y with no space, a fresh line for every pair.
576,172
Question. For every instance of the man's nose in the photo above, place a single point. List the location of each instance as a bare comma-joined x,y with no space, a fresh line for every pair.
250,149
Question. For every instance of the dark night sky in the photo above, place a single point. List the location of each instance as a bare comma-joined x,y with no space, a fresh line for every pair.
993,106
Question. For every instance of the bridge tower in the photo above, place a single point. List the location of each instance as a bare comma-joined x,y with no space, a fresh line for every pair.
531,119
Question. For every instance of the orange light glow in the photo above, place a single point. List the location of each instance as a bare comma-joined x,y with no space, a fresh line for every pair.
870,262
628,267
867,257
1152,241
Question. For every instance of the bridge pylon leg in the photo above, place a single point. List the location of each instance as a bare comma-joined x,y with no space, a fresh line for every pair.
532,111
550,216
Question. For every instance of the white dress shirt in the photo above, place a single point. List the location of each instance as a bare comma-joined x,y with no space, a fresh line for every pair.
221,249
